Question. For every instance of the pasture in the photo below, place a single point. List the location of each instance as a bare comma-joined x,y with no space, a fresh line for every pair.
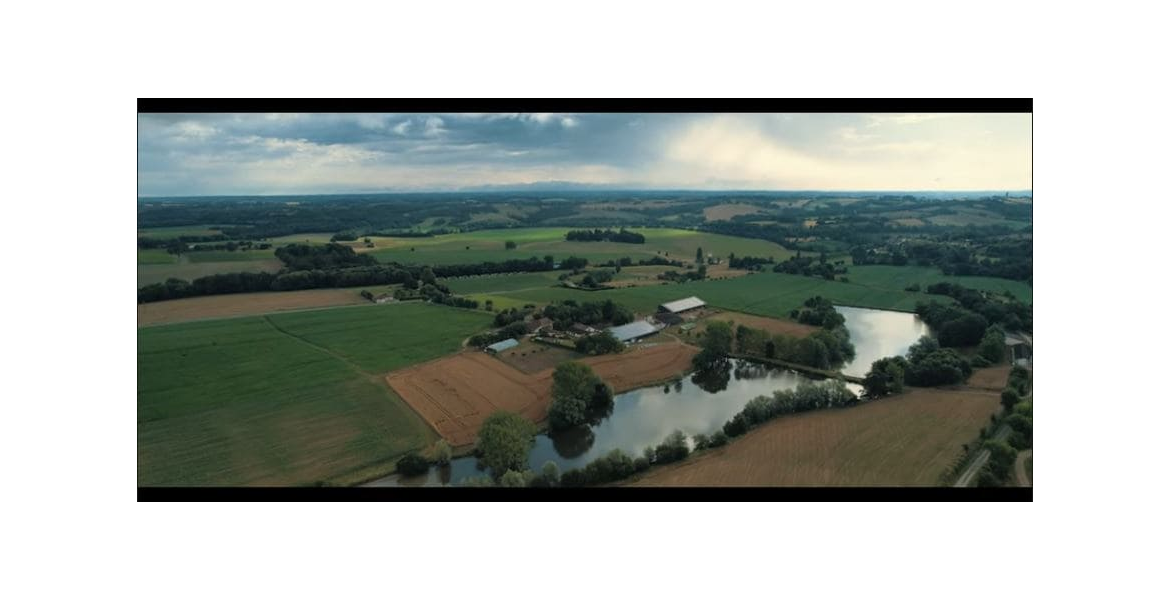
488,245
286,400
909,440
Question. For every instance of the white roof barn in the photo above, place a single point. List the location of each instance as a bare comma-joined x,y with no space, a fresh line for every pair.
682,305
504,345
632,331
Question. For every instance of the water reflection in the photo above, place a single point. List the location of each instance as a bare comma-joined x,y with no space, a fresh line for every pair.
879,333
699,404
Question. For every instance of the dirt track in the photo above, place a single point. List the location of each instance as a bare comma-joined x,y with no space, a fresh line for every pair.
455,394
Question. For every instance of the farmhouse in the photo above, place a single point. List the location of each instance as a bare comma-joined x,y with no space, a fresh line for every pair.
632,331
498,347
536,325
581,329
1019,349
681,306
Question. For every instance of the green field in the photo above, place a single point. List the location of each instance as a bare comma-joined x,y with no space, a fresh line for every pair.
488,245
898,278
171,232
158,273
288,399
156,256
769,294
208,256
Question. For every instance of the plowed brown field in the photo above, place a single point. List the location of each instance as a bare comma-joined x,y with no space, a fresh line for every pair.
455,394
903,440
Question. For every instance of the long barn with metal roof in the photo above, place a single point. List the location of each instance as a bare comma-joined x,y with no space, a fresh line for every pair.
633,331
683,305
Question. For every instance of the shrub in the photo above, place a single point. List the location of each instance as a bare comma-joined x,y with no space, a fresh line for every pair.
718,439
673,448
413,464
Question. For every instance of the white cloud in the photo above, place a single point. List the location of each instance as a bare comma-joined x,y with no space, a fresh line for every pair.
402,128
433,127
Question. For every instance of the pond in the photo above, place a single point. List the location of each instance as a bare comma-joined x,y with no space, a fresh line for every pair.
644,417
879,333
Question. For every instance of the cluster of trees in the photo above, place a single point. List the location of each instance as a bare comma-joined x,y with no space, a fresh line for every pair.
566,313
806,397
505,439
810,267
956,326
150,243
579,396
605,235
511,315
384,274
1013,258
487,338
617,465
596,278
926,364
820,312
751,263
997,309
304,257
824,349
599,343
692,275
1017,416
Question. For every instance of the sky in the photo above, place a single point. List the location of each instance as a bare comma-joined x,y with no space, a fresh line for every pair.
321,153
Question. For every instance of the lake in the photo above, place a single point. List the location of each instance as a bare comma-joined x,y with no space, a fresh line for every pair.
644,417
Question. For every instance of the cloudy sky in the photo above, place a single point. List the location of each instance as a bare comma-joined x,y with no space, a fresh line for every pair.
212,154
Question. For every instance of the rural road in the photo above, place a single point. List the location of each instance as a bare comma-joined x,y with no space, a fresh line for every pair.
1021,472
968,476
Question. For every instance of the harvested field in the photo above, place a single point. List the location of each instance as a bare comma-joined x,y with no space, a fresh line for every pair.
770,325
991,378
910,222
240,305
455,394
905,440
724,212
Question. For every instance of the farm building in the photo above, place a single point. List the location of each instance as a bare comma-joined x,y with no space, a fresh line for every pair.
668,318
1019,349
498,347
680,306
536,325
633,331
581,329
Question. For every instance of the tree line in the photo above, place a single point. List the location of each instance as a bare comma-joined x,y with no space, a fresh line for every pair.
605,235
286,280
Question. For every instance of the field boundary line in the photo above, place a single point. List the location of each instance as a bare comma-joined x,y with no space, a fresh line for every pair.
324,349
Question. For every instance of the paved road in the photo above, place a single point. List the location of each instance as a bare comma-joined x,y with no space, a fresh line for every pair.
1021,472
968,476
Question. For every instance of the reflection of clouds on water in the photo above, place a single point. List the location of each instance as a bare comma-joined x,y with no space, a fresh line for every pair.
879,333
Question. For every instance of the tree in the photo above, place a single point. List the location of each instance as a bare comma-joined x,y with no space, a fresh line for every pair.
673,448
427,276
442,452
509,245
1003,458
699,256
991,347
504,442
550,473
1009,398
413,464
886,376
513,479
574,391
